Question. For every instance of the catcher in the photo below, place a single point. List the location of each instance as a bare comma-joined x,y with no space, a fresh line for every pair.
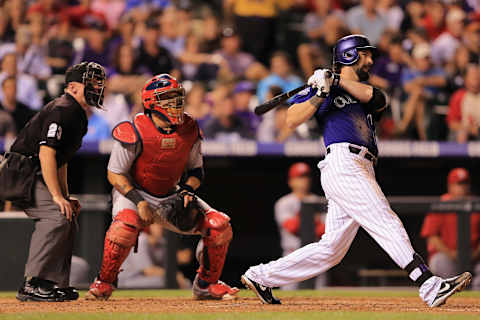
148,160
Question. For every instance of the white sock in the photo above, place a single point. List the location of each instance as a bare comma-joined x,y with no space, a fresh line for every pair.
429,289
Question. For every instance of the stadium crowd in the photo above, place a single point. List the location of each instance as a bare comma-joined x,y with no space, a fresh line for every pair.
232,54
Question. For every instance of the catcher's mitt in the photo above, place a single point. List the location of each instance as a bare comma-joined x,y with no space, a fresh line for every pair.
184,218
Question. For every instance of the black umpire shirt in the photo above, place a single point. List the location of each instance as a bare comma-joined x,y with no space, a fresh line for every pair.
61,124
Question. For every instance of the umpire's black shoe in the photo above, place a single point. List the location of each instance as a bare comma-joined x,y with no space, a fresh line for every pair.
450,286
263,293
36,289
68,294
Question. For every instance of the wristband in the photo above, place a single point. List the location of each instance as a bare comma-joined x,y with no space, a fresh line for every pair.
134,196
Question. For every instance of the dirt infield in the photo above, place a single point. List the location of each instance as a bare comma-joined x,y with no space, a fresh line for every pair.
186,305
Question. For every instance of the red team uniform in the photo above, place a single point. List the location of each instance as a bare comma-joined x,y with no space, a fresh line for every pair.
154,159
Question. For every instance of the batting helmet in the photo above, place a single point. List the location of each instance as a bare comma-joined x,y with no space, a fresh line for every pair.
346,50
165,96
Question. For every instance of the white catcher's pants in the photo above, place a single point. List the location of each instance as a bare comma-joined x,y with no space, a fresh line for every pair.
354,200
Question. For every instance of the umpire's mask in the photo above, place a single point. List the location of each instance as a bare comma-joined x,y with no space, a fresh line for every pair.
92,75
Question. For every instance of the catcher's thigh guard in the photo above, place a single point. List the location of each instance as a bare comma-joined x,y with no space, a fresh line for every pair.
121,237
212,249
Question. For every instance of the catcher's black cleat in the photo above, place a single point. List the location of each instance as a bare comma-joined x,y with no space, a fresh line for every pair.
36,289
68,294
450,286
263,293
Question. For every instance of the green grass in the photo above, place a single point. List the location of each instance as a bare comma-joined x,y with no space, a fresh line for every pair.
283,315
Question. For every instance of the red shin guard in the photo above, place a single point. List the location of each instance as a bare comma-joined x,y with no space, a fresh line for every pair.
121,237
217,234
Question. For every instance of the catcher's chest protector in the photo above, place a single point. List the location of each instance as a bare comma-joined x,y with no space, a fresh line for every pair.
164,156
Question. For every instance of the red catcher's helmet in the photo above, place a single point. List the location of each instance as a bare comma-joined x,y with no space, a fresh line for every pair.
165,96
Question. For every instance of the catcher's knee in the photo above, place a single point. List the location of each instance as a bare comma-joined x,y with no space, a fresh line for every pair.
216,229
125,228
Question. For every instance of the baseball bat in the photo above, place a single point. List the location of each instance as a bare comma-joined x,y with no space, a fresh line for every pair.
277,100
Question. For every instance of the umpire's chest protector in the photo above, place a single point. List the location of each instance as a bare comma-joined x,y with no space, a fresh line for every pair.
163,158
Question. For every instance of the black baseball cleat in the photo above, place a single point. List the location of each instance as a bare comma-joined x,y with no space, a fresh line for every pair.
36,289
263,293
68,294
450,286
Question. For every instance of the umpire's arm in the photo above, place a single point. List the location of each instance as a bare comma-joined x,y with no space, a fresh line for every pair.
50,173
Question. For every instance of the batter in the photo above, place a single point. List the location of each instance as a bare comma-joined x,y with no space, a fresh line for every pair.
346,109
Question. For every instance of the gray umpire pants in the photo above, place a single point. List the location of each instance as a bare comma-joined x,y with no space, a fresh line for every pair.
51,246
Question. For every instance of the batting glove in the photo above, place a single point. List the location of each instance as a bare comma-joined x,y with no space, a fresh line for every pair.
320,80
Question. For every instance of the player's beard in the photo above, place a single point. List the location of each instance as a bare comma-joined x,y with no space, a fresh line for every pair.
362,75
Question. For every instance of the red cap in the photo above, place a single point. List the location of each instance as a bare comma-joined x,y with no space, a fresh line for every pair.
458,175
299,169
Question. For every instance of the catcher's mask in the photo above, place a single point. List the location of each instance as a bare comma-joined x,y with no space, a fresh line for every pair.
92,76
165,96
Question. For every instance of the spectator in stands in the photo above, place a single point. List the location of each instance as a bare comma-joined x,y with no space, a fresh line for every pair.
83,16
20,113
240,64
7,126
124,78
322,29
444,46
7,34
433,19
196,106
125,33
287,214
421,83
471,39
464,112
60,51
225,125
49,9
111,10
98,128
97,48
414,14
440,230
456,69
16,11
243,94
152,57
31,58
365,19
197,65
281,75
255,23
27,90
171,38
211,32
386,73
392,12
146,268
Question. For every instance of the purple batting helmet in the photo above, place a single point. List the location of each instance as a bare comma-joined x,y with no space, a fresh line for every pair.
346,50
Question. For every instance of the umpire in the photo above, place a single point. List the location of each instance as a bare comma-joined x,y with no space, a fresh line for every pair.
53,136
